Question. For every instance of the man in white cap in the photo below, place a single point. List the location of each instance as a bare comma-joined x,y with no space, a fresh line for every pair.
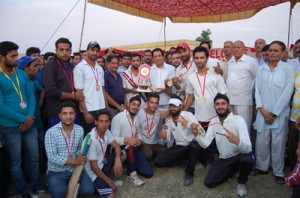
178,126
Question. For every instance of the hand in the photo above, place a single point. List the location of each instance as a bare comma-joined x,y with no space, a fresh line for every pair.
194,128
231,137
218,69
163,114
163,134
121,108
298,151
175,80
297,125
88,118
79,96
183,121
266,114
132,141
29,121
159,90
80,160
118,167
23,127
113,186
134,91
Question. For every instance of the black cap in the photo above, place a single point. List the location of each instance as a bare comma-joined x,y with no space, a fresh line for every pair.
93,44
221,96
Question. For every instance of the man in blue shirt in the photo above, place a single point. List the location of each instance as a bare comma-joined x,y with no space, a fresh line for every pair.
17,129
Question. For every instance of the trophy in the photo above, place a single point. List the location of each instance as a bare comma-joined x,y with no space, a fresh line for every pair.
144,79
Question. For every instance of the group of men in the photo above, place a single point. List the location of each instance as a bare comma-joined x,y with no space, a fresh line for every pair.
199,107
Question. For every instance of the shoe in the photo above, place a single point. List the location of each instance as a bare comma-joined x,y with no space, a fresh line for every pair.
134,179
188,180
40,192
241,190
199,166
256,171
279,180
26,195
118,183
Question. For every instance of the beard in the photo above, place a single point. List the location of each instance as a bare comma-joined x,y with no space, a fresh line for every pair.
174,114
224,114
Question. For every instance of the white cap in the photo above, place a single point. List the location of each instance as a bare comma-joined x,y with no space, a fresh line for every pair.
175,101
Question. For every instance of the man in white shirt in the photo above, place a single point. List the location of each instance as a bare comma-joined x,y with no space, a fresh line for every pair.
126,60
98,165
124,128
258,45
150,123
161,73
89,79
178,127
131,79
233,142
273,91
228,53
240,82
202,87
212,63
186,67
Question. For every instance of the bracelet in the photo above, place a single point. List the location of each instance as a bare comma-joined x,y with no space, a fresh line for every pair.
273,115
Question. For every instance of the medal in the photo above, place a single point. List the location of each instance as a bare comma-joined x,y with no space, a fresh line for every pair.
97,87
148,136
203,100
180,81
170,83
165,127
23,105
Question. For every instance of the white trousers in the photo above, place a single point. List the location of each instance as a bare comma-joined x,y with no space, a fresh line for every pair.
245,112
271,145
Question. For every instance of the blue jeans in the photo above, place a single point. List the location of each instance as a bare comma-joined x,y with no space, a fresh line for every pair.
141,164
58,184
16,143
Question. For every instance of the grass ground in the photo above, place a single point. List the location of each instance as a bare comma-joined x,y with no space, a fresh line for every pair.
168,183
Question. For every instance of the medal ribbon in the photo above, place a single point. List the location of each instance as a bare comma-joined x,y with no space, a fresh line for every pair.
131,157
65,138
104,154
188,68
96,78
18,90
152,123
69,78
133,79
202,89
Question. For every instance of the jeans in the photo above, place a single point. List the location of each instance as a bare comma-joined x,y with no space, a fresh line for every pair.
16,143
58,184
141,164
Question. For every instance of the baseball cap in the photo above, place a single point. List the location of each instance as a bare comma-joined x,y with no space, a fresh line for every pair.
183,45
25,62
175,100
93,44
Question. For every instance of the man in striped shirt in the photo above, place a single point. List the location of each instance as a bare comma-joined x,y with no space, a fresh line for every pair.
63,144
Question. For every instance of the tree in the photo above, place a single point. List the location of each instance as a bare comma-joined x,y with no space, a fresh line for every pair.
204,36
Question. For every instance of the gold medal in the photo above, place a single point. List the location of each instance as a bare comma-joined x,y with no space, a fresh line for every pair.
97,87
203,100
170,83
148,136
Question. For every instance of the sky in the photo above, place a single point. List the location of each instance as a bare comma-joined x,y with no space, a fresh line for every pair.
32,22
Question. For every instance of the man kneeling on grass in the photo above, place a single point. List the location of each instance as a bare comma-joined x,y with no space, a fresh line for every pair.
233,143
99,166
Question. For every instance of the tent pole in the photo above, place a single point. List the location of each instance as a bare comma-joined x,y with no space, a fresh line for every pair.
165,40
289,29
83,22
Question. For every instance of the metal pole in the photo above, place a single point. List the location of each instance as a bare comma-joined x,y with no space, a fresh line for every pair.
83,22
165,39
289,29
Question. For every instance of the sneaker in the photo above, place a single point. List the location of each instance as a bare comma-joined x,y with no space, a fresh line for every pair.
118,183
134,179
188,180
241,190
26,195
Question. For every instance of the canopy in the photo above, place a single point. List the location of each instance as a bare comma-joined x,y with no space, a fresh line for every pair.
191,11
